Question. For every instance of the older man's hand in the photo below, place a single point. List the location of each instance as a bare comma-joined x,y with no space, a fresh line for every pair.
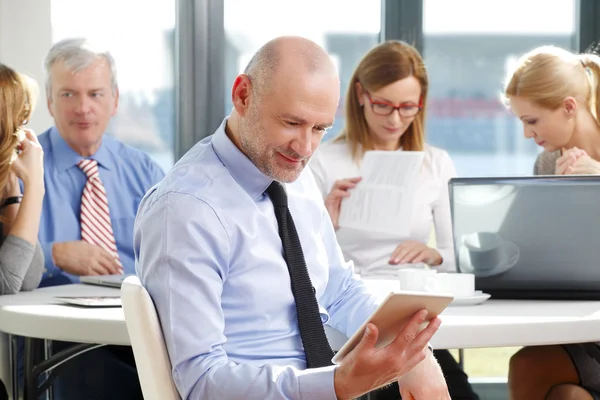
424,382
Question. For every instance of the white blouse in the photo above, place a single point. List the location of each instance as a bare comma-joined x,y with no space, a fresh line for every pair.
371,251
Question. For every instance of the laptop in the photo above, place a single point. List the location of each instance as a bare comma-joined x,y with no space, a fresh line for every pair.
114,281
529,237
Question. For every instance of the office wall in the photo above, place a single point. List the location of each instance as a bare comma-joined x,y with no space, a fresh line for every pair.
25,37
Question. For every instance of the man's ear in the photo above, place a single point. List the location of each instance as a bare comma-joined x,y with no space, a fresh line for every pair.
241,94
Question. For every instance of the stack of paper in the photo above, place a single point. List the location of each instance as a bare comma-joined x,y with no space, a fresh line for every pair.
383,200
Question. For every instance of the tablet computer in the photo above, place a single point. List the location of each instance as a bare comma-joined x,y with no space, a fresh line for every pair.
91,301
393,314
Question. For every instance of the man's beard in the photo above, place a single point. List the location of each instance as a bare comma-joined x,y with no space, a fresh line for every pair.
252,141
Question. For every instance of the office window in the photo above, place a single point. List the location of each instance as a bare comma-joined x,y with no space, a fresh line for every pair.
469,46
141,38
347,29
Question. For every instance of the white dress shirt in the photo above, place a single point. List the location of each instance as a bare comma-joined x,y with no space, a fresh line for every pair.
371,251
208,251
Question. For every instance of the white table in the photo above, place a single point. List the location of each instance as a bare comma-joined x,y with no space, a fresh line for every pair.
38,315
503,323
492,324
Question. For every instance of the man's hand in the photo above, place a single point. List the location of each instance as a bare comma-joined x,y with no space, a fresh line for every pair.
424,382
81,258
367,368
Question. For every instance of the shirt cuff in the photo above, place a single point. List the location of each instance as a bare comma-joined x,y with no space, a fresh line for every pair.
317,383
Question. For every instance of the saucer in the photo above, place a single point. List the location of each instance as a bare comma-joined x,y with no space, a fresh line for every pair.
477,298
510,260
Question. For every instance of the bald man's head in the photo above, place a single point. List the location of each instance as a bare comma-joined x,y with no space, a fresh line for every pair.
285,57
283,104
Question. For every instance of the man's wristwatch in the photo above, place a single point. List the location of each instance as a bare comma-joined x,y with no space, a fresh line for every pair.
11,200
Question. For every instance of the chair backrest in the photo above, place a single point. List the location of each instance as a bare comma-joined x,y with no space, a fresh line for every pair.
149,349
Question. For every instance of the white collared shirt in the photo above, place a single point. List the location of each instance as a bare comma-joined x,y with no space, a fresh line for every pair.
371,251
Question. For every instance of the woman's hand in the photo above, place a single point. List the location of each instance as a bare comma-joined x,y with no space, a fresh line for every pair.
333,201
29,164
412,251
585,165
567,159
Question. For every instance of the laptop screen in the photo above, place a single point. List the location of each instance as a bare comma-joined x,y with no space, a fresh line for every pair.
526,234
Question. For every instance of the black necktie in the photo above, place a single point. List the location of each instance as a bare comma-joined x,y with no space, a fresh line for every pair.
317,349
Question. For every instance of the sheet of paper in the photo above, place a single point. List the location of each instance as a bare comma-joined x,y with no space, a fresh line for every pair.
383,200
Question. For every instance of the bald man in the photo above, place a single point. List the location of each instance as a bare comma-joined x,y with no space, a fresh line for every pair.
239,255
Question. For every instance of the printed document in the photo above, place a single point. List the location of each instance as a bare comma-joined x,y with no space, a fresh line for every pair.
383,200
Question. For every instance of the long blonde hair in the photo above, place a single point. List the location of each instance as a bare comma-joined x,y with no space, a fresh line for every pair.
18,95
548,74
384,64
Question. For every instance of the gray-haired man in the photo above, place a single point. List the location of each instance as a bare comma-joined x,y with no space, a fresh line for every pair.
94,184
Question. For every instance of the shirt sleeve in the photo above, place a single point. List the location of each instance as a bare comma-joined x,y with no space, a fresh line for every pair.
183,261
441,215
34,273
155,172
16,256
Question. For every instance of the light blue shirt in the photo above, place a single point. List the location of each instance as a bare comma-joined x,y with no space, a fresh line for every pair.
127,174
209,252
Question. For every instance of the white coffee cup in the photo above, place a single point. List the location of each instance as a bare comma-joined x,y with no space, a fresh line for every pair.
417,279
486,250
458,284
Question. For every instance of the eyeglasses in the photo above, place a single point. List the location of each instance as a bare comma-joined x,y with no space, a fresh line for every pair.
406,110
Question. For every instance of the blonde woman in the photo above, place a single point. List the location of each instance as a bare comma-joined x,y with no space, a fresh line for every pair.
556,94
21,158
385,110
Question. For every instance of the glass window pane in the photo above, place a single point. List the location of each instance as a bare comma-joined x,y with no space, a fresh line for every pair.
249,24
141,39
469,46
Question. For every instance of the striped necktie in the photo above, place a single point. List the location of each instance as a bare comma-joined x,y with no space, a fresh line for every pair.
96,227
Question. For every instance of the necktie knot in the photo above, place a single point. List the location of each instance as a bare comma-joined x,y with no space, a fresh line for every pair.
276,192
89,168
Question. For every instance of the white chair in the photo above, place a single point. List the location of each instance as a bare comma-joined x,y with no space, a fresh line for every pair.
149,349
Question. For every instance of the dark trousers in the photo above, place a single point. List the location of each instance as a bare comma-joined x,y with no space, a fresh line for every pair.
456,379
3,392
105,373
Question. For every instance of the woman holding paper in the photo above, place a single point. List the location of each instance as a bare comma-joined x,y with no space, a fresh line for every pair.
556,94
385,111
